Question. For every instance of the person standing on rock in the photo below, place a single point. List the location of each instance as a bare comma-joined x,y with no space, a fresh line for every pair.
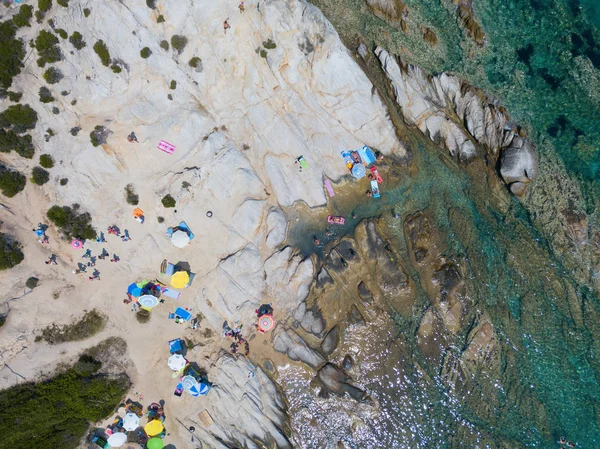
226,25
241,7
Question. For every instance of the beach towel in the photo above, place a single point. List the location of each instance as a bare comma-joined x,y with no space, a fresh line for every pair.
329,188
171,293
166,147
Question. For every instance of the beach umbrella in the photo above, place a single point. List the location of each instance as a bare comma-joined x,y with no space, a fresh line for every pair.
266,322
180,279
76,244
117,439
131,421
177,362
190,384
180,239
359,171
148,301
155,443
154,427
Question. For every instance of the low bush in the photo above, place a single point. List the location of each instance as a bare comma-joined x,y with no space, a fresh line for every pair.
19,118
168,201
32,282
46,44
76,40
22,18
75,130
116,68
45,95
46,161
102,51
58,412
160,219
55,110
173,85
178,42
98,135
64,3
10,252
15,97
10,141
87,326
53,75
71,223
62,33
44,5
39,16
11,182
142,316
195,61
86,12
145,53
12,52
160,19
164,45
170,97
269,44
64,181
151,4
39,176
130,195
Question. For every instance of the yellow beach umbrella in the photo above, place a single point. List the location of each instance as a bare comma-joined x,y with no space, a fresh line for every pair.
154,427
180,279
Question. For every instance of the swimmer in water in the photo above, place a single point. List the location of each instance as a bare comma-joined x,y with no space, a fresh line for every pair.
316,240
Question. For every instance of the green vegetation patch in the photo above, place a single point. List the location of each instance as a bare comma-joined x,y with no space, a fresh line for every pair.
145,53
98,135
116,68
178,42
53,75
102,51
164,45
168,201
130,195
44,5
47,46
12,52
87,326
77,41
64,3
195,62
45,95
269,44
64,181
15,97
10,253
39,176
32,282
23,145
173,85
160,19
57,413
19,118
71,222
62,33
86,12
22,18
46,161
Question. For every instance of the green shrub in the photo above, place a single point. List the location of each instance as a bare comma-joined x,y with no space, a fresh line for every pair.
195,61
32,282
12,52
64,3
71,223
53,75
164,45
160,19
170,97
9,141
15,97
76,40
173,85
18,117
168,201
145,53
130,195
269,44
45,95
11,182
178,42
116,68
87,326
160,219
39,176
102,51
62,33
39,16
63,406
55,110
50,132
21,19
263,53
44,5
75,130
47,46
86,12
151,4
64,181
185,185
10,252
98,135
46,161
142,316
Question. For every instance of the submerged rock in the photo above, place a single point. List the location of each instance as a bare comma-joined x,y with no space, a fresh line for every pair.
336,381
291,344
364,293
330,342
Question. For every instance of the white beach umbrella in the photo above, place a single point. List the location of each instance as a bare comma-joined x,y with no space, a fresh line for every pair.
177,362
131,421
180,239
148,301
117,439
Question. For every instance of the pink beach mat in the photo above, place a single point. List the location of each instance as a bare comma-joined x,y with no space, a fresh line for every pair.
166,147
329,188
